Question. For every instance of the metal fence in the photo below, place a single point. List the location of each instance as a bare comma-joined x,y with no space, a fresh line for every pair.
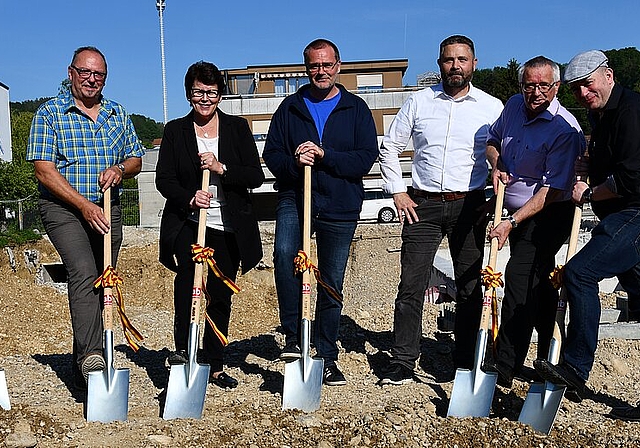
24,214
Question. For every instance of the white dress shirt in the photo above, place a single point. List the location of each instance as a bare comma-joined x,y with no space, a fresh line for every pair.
449,137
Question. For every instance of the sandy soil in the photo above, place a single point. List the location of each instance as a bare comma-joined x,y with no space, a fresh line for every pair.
35,346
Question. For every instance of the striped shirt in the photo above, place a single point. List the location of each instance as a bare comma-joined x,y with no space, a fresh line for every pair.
61,133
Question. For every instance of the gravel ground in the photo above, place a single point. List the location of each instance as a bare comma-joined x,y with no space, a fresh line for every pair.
35,346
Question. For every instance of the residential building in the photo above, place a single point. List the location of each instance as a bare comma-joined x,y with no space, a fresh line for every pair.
255,92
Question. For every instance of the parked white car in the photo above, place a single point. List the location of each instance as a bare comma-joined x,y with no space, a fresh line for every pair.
378,205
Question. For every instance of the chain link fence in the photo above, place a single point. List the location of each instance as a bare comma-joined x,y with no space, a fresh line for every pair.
23,214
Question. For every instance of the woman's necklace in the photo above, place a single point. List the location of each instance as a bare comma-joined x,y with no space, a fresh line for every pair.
205,133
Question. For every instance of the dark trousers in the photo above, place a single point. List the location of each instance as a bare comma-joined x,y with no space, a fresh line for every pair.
227,257
459,220
530,300
81,249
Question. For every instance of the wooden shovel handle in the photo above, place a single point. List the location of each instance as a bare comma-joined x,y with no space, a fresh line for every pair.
197,276
306,243
485,317
562,301
107,294
575,231
497,218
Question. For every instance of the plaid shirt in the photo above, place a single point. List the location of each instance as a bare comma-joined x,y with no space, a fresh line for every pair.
80,148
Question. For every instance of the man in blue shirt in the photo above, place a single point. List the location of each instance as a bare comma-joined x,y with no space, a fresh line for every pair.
81,144
324,126
532,148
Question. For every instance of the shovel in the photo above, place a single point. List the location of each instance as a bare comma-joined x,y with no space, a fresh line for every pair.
303,377
4,392
108,391
472,391
543,400
187,386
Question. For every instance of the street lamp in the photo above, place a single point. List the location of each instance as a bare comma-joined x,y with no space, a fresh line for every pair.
160,5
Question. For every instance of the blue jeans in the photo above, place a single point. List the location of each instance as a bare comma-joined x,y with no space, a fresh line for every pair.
460,221
613,250
333,241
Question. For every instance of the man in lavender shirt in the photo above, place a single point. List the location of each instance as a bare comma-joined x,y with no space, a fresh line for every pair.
532,148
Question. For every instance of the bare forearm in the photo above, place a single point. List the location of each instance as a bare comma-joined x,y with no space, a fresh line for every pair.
132,167
56,184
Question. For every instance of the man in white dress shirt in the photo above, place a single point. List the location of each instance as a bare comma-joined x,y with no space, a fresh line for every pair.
448,123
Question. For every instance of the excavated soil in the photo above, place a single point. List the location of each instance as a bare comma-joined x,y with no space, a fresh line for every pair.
35,352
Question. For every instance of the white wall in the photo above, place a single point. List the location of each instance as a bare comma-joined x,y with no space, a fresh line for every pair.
5,124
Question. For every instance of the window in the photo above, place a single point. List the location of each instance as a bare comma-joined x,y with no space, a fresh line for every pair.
386,122
285,86
245,84
280,86
369,83
260,129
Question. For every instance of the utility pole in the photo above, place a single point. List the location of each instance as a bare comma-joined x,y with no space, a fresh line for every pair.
160,5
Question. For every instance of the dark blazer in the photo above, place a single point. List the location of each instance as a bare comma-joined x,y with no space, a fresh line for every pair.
178,177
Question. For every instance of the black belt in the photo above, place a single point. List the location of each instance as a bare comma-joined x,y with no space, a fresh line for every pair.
445,196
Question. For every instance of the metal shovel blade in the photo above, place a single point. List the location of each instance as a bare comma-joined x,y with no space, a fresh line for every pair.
4,392
541,406
187,386
473,390
303,378
108,391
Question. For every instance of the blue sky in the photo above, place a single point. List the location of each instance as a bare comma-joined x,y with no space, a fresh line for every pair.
37,37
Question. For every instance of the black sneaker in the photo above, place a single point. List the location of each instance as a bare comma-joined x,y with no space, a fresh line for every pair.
223,380
562,374
92,363
628,414
290,352
397,374
333,376
505,377
178,357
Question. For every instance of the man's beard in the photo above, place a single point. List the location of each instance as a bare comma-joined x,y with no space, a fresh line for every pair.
459,81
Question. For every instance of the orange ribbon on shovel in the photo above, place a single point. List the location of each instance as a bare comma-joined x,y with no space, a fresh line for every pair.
493,279
557,276
111,279
205,255
302,263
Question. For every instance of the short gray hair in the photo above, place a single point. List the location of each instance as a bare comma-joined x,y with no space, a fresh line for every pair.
539,61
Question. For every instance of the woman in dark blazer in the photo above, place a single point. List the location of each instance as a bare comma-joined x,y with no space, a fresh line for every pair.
207,139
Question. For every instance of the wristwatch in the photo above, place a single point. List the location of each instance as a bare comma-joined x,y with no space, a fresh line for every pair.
224,169
121,168
512,221
586,195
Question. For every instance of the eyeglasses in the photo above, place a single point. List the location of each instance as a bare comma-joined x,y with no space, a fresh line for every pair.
544,87
85,73
197,93
314,68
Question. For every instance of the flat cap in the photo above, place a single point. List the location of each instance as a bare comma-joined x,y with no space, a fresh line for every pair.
583,64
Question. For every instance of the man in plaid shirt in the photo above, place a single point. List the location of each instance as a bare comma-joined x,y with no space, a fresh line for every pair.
81,144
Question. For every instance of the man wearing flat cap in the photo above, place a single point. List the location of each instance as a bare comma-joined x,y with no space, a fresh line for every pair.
613,189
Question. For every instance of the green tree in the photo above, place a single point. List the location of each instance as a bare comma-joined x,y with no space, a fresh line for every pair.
625,63
17,179
501,82
147,129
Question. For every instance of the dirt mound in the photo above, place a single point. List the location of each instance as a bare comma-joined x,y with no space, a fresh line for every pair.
35,351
